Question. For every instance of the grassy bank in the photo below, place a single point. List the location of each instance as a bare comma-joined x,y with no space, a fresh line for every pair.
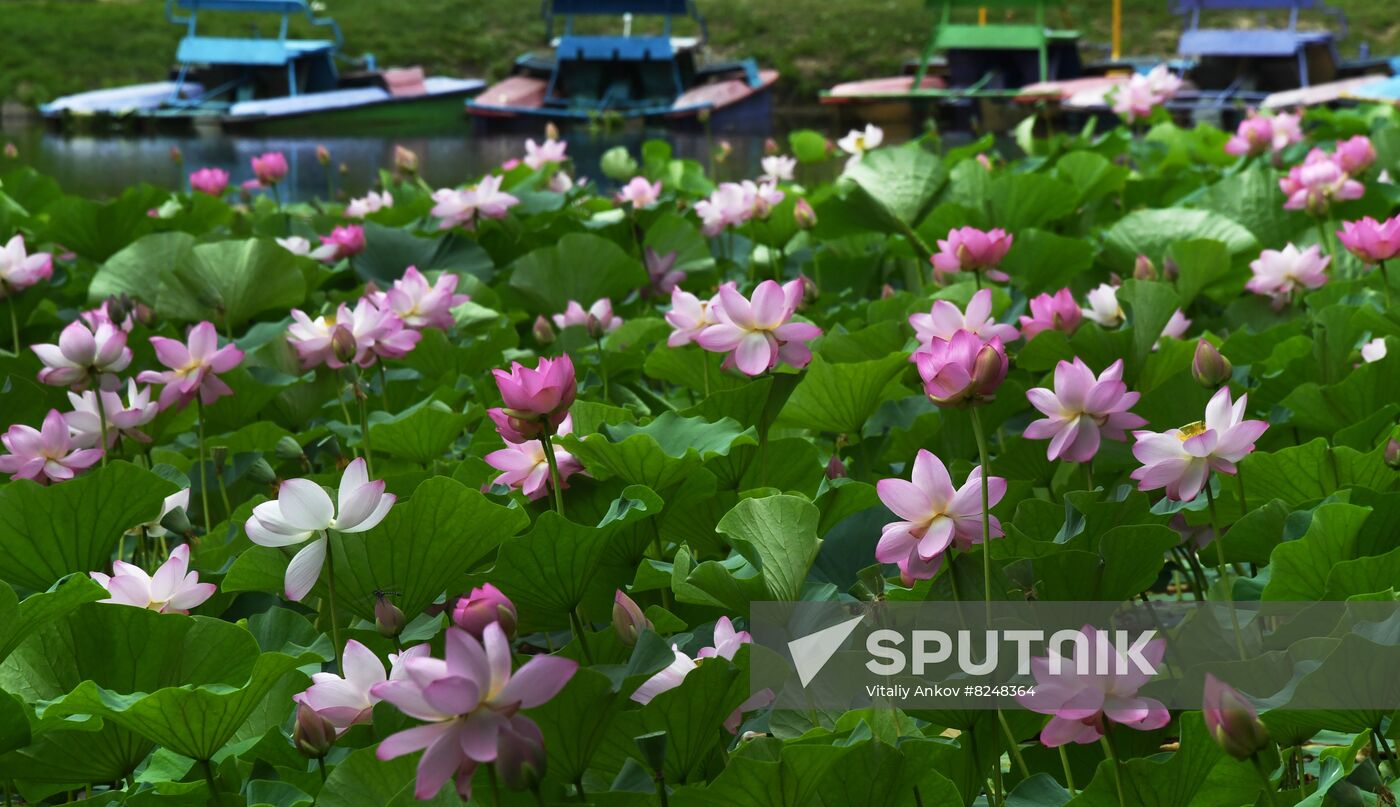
55,47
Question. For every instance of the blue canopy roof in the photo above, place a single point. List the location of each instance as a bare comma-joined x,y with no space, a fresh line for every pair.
615,7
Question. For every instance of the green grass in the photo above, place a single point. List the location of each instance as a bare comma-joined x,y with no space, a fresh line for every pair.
56,47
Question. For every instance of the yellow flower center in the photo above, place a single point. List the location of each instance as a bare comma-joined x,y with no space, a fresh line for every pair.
1190,430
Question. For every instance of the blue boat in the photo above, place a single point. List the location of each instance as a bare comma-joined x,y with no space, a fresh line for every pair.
655,78
269,84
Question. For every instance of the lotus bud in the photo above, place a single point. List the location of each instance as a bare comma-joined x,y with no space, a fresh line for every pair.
176,155
288,449
405,160
1232,721
313,735
177,521
119,307
143,314
886,291
388,618
1392,453
835,468
1208,366
593,327
544,334
771,147
343,344
344,169
618,165
218,455
653,748
323,154
703,117
722,150
803,215
1143,268
809,289
983,161
520,756
481,607
1170,271
988,370
1115,279
627,619
11,151
261,472
551,132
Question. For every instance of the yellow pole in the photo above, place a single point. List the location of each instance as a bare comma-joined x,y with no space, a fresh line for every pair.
1117,52
982,15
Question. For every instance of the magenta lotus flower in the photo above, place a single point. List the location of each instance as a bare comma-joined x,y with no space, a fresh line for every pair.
303,510
1277,273
194,367
936,516
689,316
348,240
639,193
1143,92
1255,135
778,168
1355,154
536,400
1370,240
173,589
213,181
1080,703
663,272
347,700
523,464
270,168
1082,409
550,152
46,454
462,208
19,270
370,203
576,315
482,606
84,356
1317,183
124,418
1057,312
963,370
1180,460
368,333
759,333
968,249
945,319
467,701
420,305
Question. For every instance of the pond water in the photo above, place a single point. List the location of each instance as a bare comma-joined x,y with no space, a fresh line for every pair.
103,165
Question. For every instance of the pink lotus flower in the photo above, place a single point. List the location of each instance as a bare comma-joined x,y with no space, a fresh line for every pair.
1232,720
484,605
213,181
1255,135
468,701
761,198
1317,183
102,315
962,370
550,152
536,400
689,316
348,700
1081,409
664,276
1180,460
348,240
728,206
1175,328
778,168
173,589
369,333
194,368
461,208
1057,312
727,642
523,464
368,204
639,193
758,334
420,305
297,245
936,516
1137,98
1080,703
1278,272
19,270
1370,240
270,168
123,418
560,182
972,250
46,454
84,356
1103,306
1288,129
601,311
1355,155
944,320
1373,350
302,510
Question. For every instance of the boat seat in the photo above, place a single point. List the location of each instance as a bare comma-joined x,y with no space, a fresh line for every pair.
405,82
615,48
678,43
219,50
1261,43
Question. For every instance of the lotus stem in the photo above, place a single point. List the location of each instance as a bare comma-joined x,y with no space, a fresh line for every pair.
102,421
1069,775
1013,748
1385,284
361,398
1223,569
1385,754
554,481
14,324
602,367
705,369
209,778
330,597
495,787
1112,757
203,480
383,386
1264,777
576,622
986,465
